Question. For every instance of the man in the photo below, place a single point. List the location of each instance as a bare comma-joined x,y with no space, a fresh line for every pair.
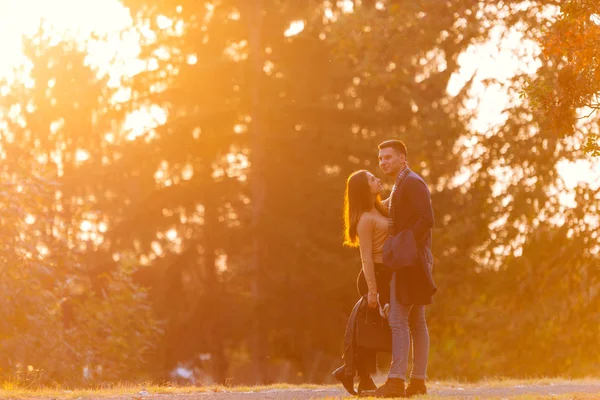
412,287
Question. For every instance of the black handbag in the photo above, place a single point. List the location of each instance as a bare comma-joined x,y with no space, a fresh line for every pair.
372,330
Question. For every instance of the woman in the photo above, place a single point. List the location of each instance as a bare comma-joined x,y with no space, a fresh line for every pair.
366,227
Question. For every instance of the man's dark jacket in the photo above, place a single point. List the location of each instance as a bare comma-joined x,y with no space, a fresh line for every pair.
412,211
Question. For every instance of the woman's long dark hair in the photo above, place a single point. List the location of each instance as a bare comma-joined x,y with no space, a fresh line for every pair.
357,200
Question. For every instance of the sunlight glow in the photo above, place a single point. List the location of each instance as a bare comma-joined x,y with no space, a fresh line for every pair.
85,226
295,28
580,171
164,22
187,172
328,15
347,6
144,121
192,59
42,249
172,234
240,128
157,248
237,51
76,18
82,155
102,227
221,263
505,55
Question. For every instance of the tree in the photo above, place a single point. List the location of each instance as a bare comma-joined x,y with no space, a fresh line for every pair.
328,95
201,193
68,307
568,91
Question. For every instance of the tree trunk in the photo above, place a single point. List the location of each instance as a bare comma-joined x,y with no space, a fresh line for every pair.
214,288
257,187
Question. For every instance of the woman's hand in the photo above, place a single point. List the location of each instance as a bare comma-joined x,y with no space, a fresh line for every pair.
372,299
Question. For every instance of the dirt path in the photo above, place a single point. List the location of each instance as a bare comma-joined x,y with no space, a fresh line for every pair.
455,391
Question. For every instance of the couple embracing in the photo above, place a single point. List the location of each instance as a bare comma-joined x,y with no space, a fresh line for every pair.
395,282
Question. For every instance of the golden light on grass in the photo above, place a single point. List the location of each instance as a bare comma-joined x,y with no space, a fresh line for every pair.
124,391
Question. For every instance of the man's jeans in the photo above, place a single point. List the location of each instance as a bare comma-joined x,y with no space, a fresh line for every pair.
406,321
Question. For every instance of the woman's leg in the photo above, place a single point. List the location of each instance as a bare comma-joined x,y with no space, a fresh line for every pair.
366,362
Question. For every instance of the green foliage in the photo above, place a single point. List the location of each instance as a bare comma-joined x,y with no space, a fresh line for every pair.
567,87
61,314
53,320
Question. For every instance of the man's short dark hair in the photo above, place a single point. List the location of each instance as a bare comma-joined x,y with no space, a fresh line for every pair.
395,144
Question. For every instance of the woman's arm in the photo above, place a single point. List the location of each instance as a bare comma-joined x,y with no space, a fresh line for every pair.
365,240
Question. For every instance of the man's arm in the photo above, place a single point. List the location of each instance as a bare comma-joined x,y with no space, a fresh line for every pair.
420,198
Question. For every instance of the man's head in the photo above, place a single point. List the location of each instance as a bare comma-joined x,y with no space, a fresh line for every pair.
392,157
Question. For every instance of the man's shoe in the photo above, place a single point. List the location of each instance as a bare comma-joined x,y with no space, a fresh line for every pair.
416,387
393,387
346,380
366,384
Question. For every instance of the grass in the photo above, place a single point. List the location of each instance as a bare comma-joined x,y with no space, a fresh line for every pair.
504,382
14,391
9,389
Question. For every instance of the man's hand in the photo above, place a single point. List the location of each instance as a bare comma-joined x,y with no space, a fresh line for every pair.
372,299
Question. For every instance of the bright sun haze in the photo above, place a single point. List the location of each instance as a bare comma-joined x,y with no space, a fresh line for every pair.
70,17
80,18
